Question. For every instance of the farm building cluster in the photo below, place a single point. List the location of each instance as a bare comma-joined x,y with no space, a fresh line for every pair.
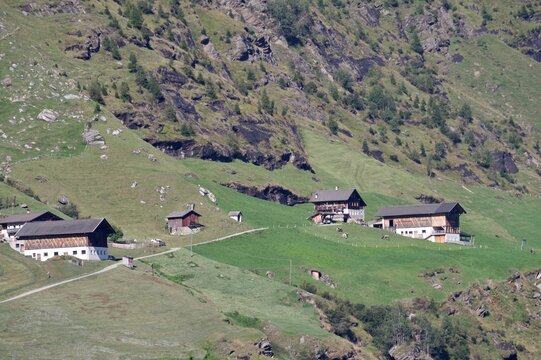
44,235
438,222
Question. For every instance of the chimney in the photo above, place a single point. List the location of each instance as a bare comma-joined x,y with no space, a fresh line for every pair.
336,188
315,196
190,206
27,210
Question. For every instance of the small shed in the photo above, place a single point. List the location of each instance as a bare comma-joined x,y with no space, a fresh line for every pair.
185,219
235,215
127,261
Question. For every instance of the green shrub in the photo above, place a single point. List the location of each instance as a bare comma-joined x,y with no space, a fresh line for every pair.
243,320
69,209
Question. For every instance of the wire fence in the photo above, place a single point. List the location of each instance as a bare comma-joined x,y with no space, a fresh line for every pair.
397,241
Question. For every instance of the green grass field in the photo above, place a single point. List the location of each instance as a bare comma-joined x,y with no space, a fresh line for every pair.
365,268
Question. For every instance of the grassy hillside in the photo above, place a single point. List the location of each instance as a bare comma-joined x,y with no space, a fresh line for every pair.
117,320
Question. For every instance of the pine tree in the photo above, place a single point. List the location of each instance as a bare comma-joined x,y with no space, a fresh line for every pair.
135,16
266,104
416,102
125,92
366,150
416,43
95,92
132,65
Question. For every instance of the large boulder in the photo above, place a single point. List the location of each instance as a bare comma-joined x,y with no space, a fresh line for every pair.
93,137
48,115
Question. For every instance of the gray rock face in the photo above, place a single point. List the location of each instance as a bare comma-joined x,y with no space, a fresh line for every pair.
247,49
48,115
6,82
93,137
53,8
265,348
90,45
503,162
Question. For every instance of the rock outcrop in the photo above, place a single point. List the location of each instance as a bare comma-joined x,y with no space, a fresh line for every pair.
84,49
503,162
48,115
272,193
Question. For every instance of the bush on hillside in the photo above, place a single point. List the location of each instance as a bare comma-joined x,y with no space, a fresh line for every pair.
293,18
69,209
117,235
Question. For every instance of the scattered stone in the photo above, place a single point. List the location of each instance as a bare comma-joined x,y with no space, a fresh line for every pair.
482,311
63,199
437,286
48,115
6,82
270,274
104,157
151,157
116,132
134,184
265,348
104,147
71,97
93,137
41,179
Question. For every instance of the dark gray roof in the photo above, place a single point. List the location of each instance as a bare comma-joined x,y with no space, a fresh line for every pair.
332,195
420,209
181,214
22,218
62,227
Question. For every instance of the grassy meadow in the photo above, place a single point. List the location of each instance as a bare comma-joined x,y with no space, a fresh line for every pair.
111,317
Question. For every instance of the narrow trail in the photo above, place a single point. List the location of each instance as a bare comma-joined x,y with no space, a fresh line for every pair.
114,266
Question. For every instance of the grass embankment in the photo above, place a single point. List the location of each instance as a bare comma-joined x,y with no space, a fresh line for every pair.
18,273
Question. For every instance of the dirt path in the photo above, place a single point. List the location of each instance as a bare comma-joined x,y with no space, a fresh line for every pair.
114,266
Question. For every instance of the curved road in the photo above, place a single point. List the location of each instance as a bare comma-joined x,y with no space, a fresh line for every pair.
114,266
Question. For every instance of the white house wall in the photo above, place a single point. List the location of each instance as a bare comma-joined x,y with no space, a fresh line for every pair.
90,253
417,232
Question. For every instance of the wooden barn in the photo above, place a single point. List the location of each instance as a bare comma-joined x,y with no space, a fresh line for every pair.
338,205
178,221
85,239
434,222
9,225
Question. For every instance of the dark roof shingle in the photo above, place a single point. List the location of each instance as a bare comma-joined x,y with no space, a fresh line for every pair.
22,218
64,227
333,195
181,214
420,209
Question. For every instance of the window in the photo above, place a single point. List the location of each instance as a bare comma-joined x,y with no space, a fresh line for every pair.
33,254
74,252
46,254
56,253
16,245
83,252
424,231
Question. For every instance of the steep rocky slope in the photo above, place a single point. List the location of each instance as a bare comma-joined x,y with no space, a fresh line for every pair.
402,81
